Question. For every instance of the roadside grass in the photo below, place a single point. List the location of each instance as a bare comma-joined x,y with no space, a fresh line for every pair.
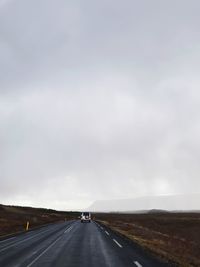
173,238
13,218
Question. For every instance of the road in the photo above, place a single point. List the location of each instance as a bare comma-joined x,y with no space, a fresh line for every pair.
72,244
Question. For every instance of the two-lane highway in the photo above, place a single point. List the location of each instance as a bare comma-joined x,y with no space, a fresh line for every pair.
72,244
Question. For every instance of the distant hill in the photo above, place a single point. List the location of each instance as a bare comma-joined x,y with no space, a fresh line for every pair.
150,203
156,211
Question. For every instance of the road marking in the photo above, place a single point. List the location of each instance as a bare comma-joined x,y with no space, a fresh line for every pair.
107,233
101,228
8,239
137,264
22,241
68,229
39,256
119,245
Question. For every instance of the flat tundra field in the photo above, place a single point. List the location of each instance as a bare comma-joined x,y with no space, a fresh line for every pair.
14,218
172,236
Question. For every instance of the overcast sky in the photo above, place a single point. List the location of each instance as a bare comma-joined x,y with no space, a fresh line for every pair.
98,100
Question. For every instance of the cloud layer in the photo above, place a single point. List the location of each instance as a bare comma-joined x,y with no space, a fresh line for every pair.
98,100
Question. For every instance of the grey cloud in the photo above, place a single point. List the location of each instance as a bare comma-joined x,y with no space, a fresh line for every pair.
98,100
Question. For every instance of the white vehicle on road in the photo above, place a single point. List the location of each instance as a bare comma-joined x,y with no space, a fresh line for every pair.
85,217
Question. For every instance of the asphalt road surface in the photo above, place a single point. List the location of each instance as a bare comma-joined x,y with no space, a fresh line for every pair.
72,244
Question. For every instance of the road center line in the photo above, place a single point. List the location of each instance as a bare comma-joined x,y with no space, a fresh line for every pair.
68,229
119,245
37,258
137,264
107,233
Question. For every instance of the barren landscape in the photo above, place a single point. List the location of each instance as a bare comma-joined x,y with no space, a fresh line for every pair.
13,219
174,237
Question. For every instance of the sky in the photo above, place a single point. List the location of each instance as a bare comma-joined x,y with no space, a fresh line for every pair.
98,100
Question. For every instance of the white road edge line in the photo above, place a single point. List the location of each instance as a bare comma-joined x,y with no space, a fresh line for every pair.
137,264
8,239
7,246
37,258
22,241
119,245
107,233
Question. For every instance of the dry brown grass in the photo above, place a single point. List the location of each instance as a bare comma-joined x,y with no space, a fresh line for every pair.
13,219
172,236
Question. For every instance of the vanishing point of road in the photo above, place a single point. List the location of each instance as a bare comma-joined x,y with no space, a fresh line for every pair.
72,244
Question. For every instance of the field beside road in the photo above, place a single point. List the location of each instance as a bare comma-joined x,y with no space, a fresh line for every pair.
172,236
13,218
